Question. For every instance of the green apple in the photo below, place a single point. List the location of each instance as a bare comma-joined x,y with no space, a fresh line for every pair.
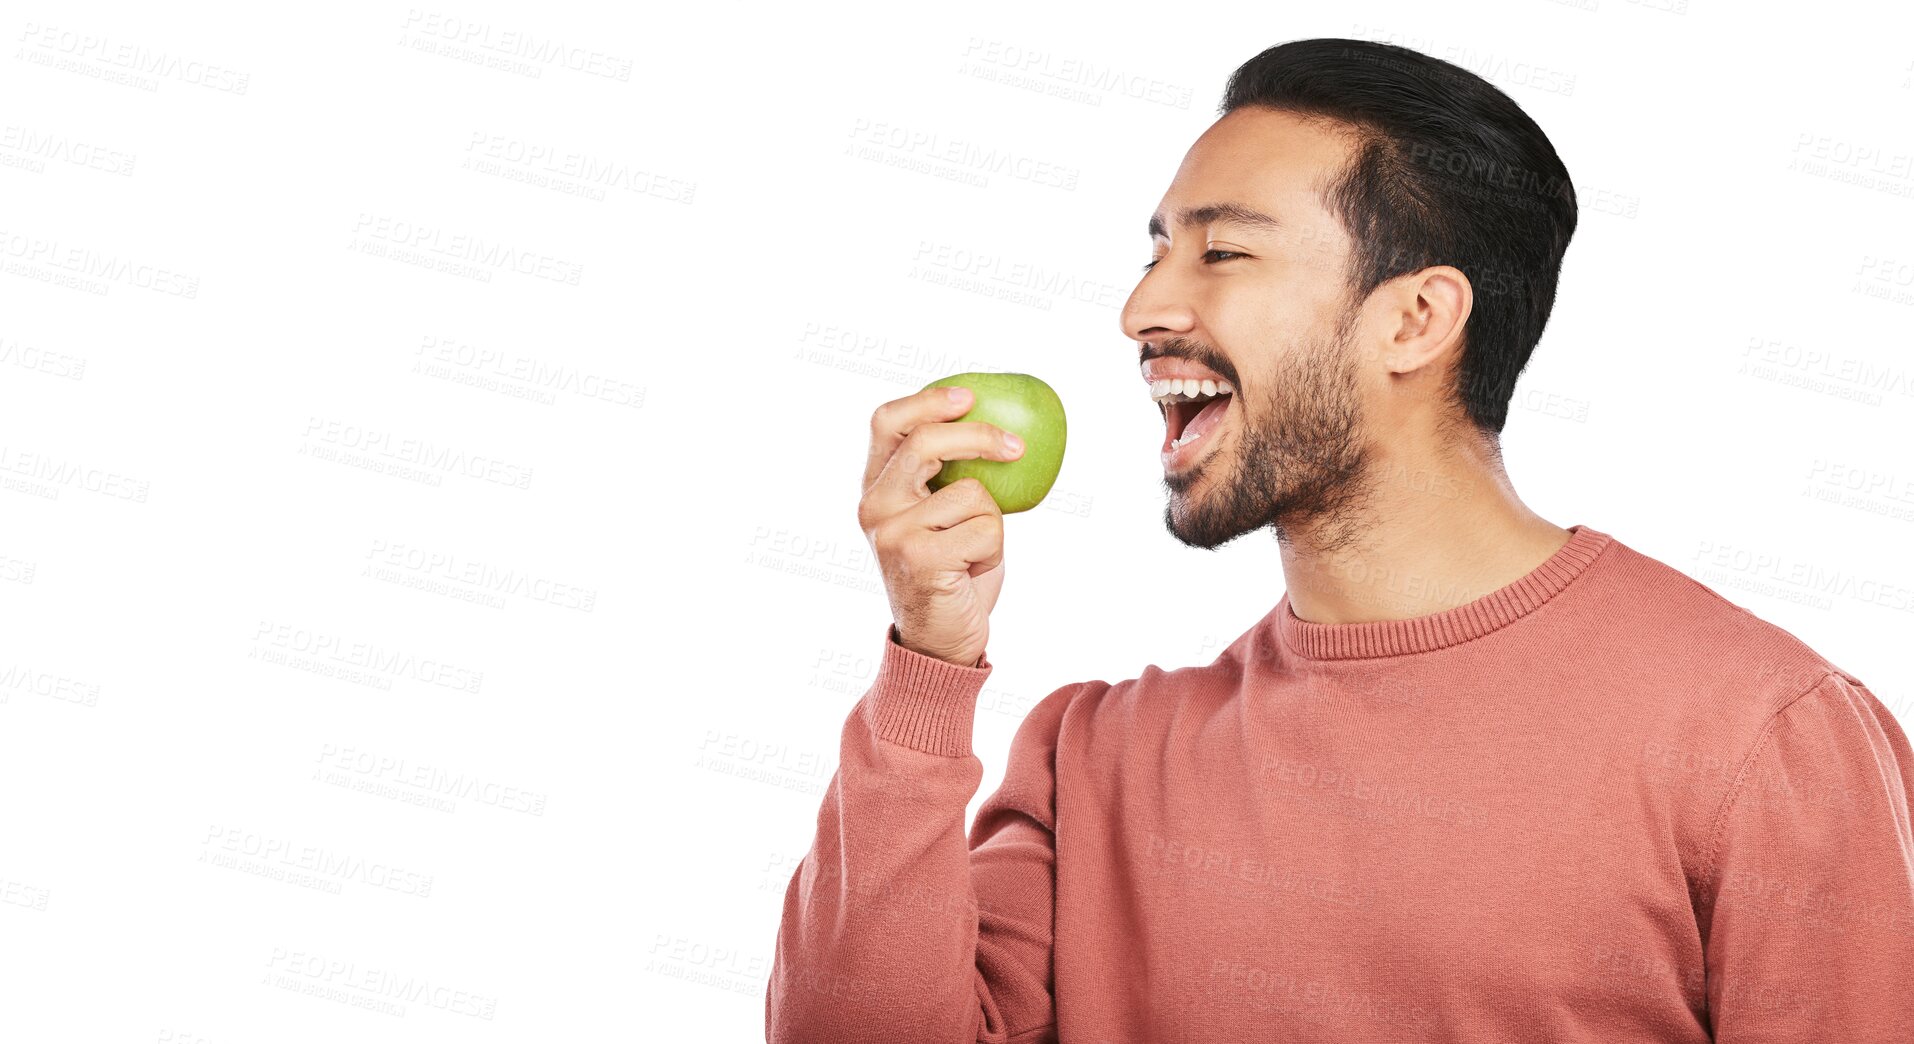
1025,406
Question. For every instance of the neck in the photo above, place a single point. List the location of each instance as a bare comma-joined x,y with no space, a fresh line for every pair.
1430,532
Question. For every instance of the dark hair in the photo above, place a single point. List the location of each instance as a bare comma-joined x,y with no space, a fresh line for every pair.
1446,170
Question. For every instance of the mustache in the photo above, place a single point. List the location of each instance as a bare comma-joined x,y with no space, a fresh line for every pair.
1191,350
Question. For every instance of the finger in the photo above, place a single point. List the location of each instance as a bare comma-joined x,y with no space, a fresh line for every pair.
984,542
894,420
906,539
950,507
960,530
921,455
976,546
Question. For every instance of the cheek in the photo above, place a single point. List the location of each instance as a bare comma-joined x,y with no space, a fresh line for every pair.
1252,305
1256,321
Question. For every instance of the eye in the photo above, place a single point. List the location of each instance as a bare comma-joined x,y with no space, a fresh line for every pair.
1206,253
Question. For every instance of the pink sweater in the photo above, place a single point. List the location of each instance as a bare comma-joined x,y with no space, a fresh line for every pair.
1599,804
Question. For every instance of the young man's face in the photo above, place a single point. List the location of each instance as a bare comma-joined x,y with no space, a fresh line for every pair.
1267,311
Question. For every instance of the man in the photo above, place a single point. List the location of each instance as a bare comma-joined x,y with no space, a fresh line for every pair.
1475,777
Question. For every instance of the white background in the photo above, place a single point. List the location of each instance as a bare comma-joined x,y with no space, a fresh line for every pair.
520,615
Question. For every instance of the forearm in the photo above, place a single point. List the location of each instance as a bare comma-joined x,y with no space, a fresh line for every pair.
878,939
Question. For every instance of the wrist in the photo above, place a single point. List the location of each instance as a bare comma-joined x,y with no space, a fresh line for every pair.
897,637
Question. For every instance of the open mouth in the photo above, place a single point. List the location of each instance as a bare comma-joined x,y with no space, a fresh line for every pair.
1192,411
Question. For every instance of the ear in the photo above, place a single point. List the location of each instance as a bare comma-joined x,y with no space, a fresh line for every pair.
1428,312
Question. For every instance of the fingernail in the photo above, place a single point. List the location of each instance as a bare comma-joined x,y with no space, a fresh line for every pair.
959,394
1012,442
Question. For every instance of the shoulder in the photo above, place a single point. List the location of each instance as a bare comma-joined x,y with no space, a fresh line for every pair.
1829,772
1099,718
1699,640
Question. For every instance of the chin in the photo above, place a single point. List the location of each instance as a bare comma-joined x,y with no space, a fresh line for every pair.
1180,483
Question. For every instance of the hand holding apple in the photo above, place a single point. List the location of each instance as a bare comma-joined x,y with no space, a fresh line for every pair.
1027,407
941,554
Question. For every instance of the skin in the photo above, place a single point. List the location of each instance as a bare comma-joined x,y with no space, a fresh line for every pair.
1385,503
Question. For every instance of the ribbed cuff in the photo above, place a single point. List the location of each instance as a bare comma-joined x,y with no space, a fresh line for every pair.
923,702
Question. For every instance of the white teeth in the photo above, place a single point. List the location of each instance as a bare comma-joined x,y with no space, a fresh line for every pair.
1188,436
1190,388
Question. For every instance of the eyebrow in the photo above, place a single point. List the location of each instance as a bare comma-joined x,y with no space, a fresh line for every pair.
1207,213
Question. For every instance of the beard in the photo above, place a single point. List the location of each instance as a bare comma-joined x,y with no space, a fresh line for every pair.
1299,460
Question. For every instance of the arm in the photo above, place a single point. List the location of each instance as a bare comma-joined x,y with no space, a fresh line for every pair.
894,928
1810,932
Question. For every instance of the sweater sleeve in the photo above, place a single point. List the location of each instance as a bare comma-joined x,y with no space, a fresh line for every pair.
894,927
1811,927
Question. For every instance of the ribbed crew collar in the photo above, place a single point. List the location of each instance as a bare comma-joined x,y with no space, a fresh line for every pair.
1492,611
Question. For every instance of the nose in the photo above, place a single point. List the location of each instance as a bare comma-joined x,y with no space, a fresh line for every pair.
1157,308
